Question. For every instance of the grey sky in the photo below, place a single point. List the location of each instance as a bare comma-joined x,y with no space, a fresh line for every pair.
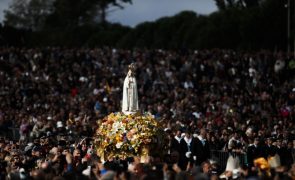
3,5
148,10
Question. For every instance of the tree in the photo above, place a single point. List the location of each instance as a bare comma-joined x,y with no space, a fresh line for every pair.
104,5
28,14
251,3
71,13
38,14
220,4
226,4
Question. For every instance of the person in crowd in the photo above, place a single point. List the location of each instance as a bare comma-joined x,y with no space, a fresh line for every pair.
201,148
253,151
51,99
187,145
175,142
269,150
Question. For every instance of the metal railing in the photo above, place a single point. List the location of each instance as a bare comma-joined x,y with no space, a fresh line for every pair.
222,156
10,133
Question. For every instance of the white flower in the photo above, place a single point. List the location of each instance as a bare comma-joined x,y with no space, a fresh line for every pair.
118,125
119,144
134,138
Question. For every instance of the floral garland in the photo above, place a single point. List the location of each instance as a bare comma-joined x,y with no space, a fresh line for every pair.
120,135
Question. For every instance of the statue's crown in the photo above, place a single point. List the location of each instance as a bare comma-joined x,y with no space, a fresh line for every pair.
131,67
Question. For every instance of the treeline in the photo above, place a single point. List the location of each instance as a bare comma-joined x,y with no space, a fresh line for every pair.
258,27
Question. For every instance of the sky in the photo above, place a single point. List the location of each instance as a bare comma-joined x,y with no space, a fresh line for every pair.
3,5
147,10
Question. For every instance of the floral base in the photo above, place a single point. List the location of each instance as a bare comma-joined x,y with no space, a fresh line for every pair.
122,136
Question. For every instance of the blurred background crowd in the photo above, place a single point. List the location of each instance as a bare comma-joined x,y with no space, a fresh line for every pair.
209,102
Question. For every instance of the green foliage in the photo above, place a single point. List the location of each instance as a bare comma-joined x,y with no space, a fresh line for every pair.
164,33
28,14
241,24
41,14
69,13
256,24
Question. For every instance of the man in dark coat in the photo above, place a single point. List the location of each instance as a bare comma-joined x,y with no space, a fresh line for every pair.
253,151
201,148
175,142
186,150
270,149
285,155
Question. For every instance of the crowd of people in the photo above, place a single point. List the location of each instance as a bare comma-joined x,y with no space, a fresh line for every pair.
208,101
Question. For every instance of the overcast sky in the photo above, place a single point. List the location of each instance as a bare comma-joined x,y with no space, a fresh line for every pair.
148,10
3,5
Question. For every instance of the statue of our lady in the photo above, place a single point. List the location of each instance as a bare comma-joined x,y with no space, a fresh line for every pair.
130,96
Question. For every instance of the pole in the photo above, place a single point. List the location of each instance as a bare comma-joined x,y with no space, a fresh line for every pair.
288,27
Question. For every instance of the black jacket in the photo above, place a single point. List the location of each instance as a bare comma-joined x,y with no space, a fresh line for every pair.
201,151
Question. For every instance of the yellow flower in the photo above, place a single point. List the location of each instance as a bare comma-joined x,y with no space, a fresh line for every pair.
261,163
118,138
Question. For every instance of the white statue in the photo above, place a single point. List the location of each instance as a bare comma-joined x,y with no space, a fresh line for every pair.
130,97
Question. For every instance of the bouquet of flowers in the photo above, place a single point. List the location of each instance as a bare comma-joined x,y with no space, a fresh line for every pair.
120,135
263,166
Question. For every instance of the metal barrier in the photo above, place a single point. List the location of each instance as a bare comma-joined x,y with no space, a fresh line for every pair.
10,133
222,156
15,133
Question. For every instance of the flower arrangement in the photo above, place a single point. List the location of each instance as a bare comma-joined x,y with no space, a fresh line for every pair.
262,166
120,135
